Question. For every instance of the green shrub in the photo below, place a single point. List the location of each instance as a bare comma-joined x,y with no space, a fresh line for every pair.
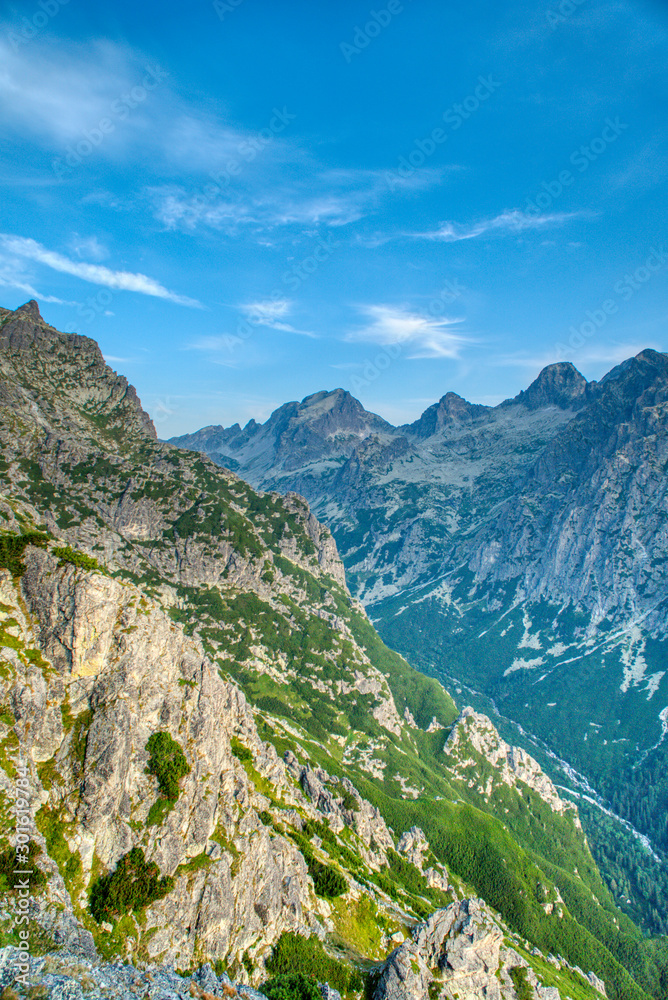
68,555
294,952
134,884
292,986
12,548
348,801
523,987
241,752
9,863
167,762
327,881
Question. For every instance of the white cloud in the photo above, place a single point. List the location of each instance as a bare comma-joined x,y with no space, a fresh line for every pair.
260,211
88,246
61,91
94,273
514,221
423,336
266,203
270,313
13,274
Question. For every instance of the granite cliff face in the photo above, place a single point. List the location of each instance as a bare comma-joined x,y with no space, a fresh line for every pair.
147,593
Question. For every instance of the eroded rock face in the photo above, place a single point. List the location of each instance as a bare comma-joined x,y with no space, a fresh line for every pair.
460,953
123,670
457,949
341,804
512,765
413,844
118,663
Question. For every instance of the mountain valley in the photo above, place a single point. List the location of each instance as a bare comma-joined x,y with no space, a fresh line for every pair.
232,776
518,554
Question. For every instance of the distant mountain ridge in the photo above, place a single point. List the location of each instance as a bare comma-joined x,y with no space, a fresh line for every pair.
519,552
226,764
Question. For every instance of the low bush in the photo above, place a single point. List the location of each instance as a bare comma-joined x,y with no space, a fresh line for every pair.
70,556
327,881
12,548
523,987
293,986
134,884
9,863
167,762
293,952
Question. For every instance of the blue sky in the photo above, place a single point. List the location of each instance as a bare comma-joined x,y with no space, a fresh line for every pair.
245,202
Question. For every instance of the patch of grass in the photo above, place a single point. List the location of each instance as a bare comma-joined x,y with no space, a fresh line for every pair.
158,812
52,826
240,751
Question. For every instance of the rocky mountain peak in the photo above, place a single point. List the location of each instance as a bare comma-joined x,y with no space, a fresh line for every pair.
66,376
559,384
336,411
451,410
648,364
30,309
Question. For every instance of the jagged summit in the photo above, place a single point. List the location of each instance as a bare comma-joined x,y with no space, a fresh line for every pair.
646,364
559,384
67,378
451,410
31,310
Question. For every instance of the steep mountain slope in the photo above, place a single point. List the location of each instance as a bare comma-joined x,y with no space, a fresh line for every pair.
519,554
177,819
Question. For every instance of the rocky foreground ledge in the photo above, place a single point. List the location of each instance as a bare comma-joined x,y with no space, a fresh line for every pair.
458,953
68,976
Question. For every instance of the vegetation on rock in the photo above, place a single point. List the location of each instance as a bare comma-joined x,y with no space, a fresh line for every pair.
168,763
134,884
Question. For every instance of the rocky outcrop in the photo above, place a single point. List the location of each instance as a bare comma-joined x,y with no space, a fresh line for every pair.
124,671
30,347
461,952
475,734
341,804
414,845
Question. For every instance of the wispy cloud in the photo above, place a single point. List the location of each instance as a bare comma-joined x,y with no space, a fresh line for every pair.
224,342
89,247
514,221
95,273
58,92
268,203
424,337
13,274
271,313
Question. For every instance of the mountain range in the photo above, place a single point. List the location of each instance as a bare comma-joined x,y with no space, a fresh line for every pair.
232,779
516,552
